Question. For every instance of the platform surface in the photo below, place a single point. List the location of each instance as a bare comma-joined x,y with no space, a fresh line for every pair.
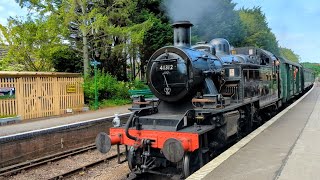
287,149
30,125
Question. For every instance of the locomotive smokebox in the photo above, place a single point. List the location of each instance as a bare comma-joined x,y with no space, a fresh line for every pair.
182,33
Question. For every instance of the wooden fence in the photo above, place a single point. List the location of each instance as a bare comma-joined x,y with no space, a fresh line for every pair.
39,94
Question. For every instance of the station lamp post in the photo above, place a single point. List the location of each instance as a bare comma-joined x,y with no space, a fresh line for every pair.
95,63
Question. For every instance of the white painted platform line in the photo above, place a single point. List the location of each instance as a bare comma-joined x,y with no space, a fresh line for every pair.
61,126
303,160
213,164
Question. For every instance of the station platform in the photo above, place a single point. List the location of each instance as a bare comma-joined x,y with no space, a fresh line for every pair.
31,125
285,147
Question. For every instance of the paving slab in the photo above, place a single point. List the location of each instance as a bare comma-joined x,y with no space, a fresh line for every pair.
30,125
304,160
277,152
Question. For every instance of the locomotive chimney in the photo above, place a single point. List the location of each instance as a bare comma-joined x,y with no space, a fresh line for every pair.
182,33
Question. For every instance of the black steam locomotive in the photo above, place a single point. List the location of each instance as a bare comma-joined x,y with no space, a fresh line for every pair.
207,97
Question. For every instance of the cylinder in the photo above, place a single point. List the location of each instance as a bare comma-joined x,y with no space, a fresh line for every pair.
182,33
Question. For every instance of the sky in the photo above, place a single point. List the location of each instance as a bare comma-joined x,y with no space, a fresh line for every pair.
10,8
295,23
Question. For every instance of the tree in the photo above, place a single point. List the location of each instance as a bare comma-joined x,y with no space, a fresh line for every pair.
289,54
159,35
99,29
29,44
314,66
220,21
66,60
257,32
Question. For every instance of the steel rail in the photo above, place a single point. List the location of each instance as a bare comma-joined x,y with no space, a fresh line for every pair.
6,171
82,168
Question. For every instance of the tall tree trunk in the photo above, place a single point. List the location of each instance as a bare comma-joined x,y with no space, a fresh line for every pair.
83,5
85,55
133,67
142,71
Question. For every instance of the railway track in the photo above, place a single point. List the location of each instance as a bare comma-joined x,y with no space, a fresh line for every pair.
14,169
84,167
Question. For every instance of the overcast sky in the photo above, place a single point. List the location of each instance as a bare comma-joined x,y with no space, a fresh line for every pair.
295,23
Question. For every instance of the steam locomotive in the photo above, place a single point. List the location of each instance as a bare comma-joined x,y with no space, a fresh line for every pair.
207,97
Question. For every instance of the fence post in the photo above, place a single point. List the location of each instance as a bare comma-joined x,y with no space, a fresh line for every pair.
19,98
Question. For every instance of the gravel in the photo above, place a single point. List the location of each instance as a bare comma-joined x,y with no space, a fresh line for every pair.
110,170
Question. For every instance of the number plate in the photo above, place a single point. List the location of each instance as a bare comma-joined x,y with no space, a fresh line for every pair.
167,67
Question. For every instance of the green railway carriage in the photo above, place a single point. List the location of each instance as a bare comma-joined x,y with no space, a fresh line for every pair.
308,78
291,79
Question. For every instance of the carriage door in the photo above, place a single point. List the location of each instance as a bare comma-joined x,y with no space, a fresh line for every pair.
292,83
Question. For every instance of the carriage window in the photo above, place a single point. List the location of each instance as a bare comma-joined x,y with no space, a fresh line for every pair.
245,75
267,60
252,74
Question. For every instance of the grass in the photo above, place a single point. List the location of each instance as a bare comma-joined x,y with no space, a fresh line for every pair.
7,116
115,102
7,97
111,103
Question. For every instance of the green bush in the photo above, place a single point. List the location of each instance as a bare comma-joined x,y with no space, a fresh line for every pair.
110,91
108,88
136,84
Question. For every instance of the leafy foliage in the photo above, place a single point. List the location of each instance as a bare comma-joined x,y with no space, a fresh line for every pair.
105,31
136,85
159,35
66,60
257,32
314,66
110,91
289,54
100,30
108,88
29,44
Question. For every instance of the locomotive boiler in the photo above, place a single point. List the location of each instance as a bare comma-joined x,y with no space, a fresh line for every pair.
175,73
207,97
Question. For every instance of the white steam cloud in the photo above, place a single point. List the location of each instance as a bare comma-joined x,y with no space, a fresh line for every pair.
189,10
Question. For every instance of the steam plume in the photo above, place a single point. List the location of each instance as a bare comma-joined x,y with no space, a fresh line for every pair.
191,10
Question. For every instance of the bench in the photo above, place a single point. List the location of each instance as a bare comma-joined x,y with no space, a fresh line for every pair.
141,92
142,98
